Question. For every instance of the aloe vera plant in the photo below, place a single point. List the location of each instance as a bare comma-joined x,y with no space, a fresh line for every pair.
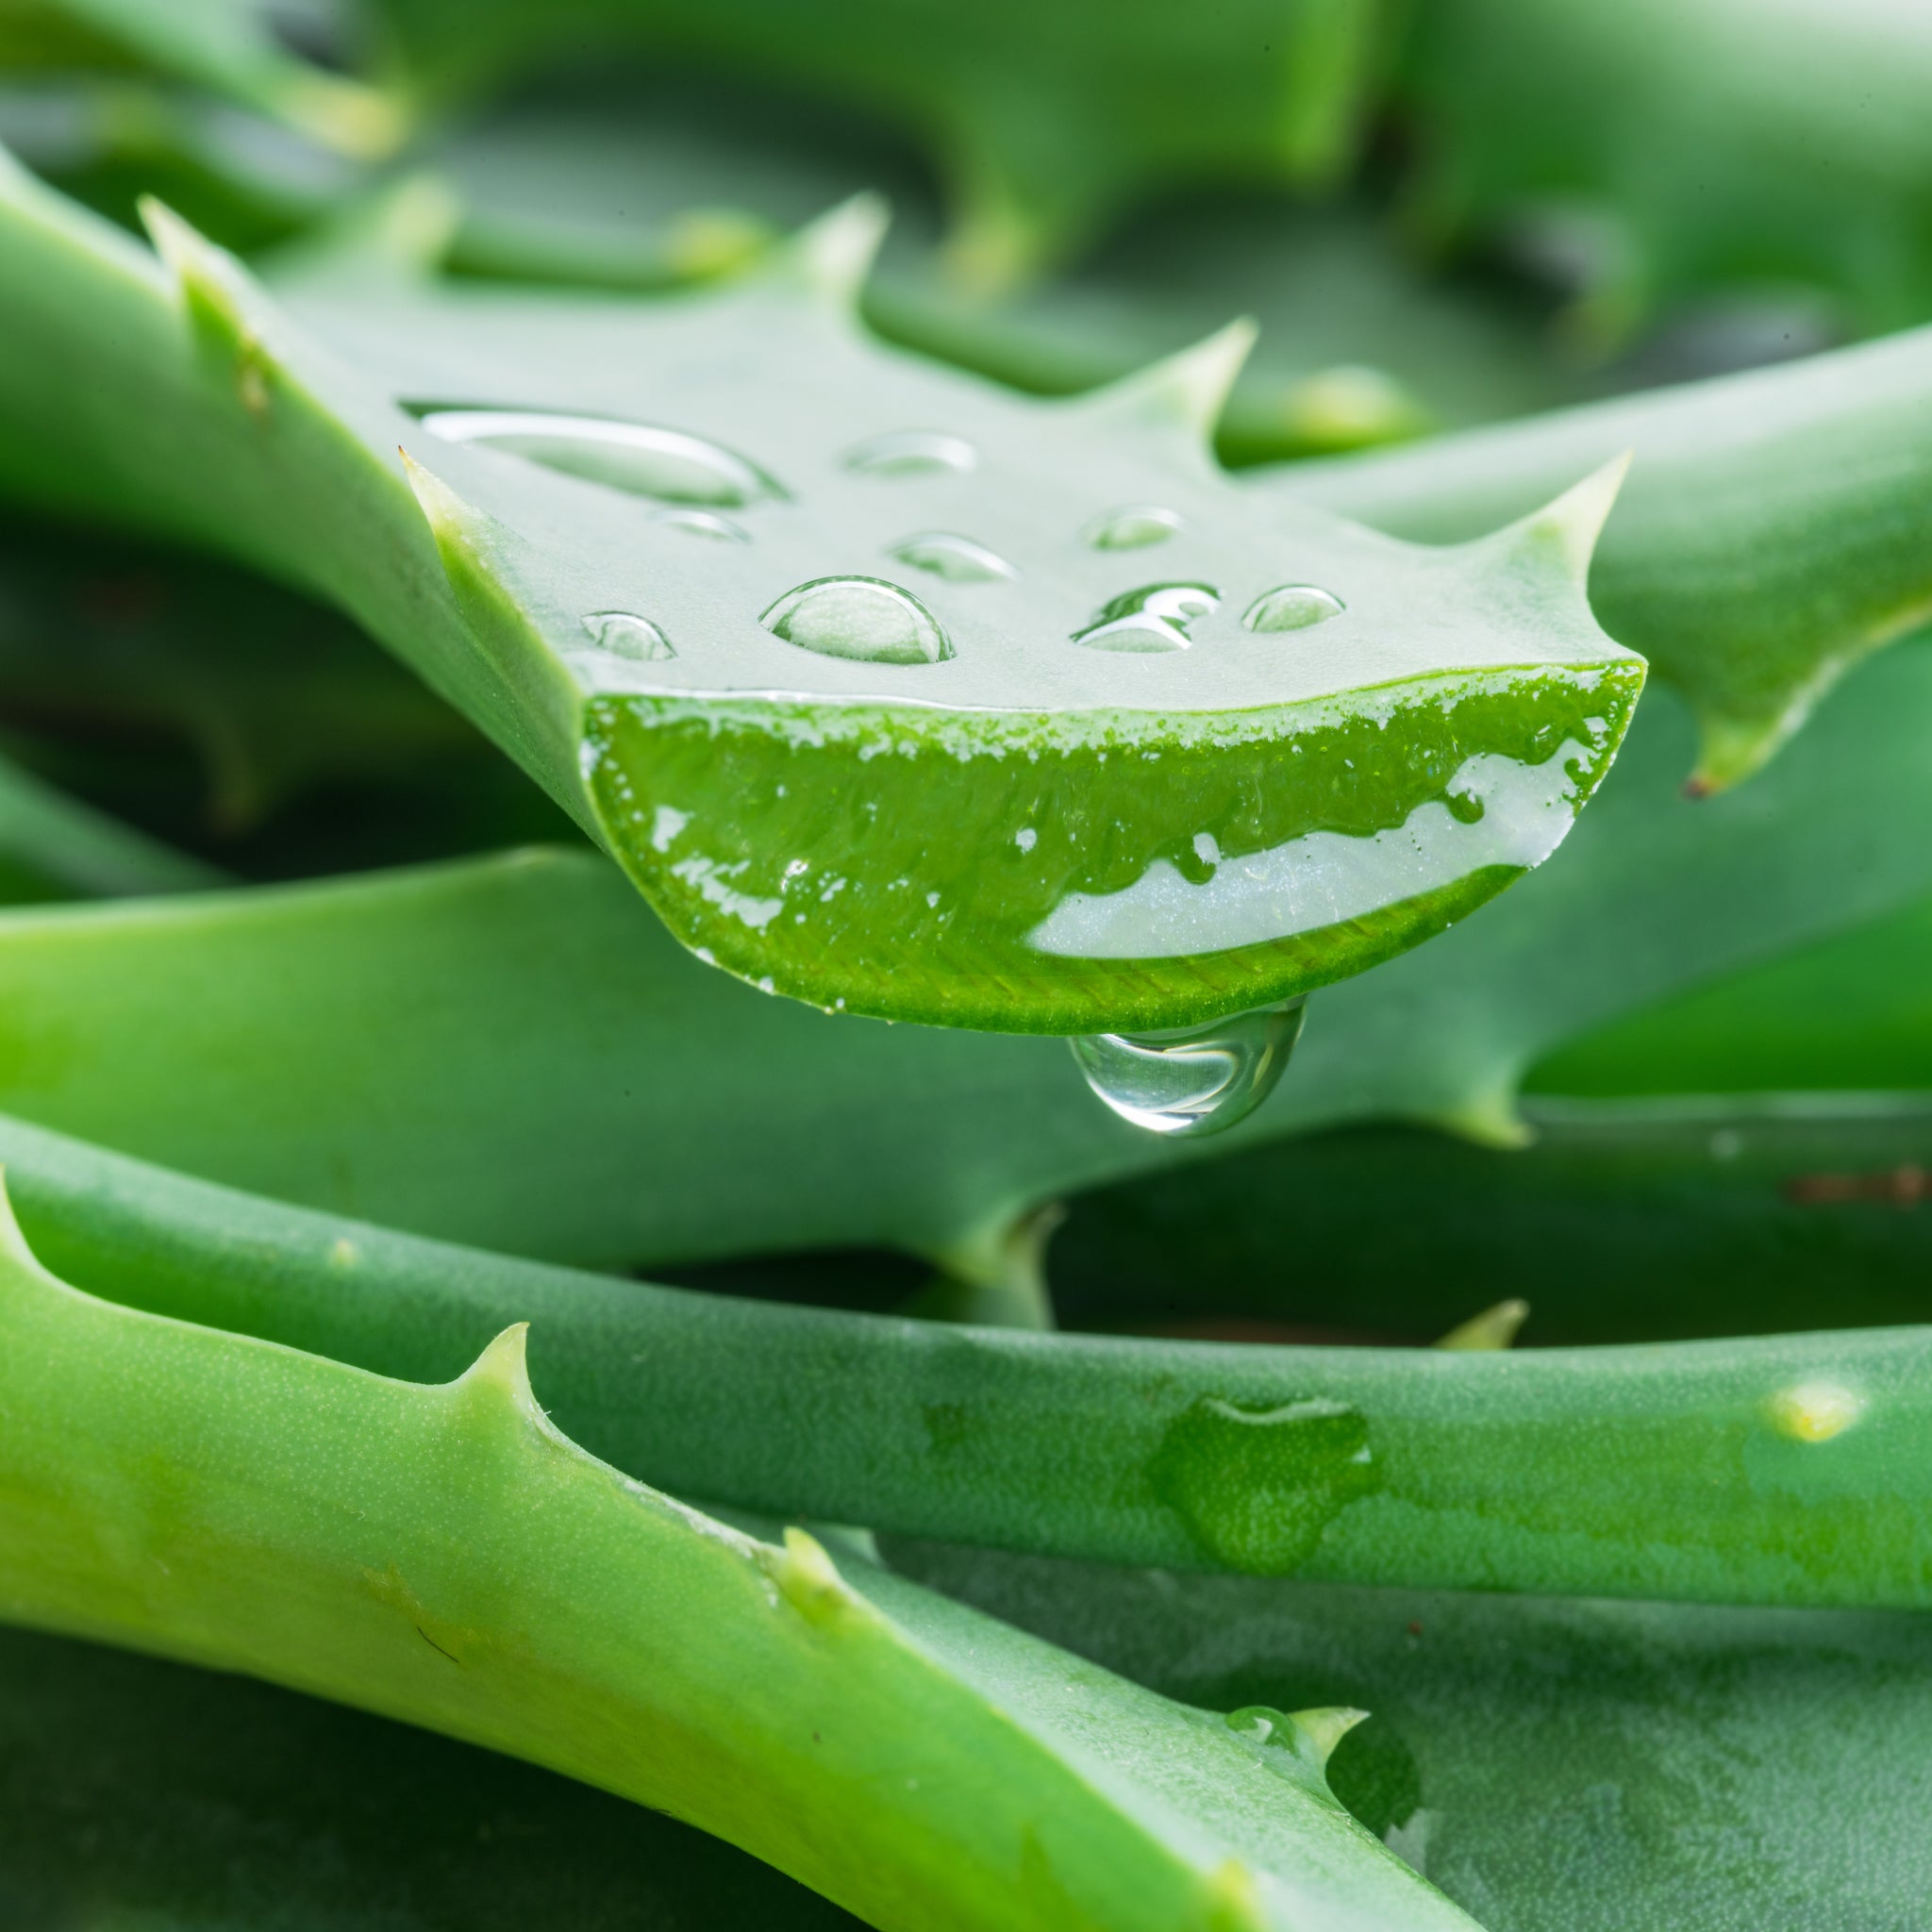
914,658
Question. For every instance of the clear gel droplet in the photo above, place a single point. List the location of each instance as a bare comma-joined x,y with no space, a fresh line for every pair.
639,458
958,559
859,617
1133,527
1154,618
1195,1079
911,452
626,636
1291,606
703,523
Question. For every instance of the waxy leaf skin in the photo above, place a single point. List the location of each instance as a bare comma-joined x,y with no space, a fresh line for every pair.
891,690
445,1555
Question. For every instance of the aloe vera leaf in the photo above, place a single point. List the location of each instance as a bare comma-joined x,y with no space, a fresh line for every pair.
1803,132
513,1054
1852,1010
945,881
1770,536
1044,124
443,1554
1679,1216
135,1791
1773,1470
1556,1766
53,846
228,46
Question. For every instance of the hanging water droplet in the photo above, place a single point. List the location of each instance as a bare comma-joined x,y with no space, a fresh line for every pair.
639,458
859,617
703,523
1292,607
1193,1079
1133,527
626,636
911,452
958,559
1154,618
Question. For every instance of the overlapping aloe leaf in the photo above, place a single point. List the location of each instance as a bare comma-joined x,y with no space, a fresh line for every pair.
1770,1470
1678,149
1045,123
1013,797
55,847
1676,1216
229,46
443,1554
1557,1767
513,1054
1771,535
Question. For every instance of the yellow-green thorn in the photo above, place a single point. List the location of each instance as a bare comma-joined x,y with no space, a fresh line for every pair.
1184,392
831,256
1495,1327
1324,1727
1569,524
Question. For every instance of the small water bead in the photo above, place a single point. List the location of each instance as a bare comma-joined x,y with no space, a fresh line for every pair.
641,459
859,617
911,452
625,635
1192,1080
1292,607
958,559
1154,618
1133,529
703,523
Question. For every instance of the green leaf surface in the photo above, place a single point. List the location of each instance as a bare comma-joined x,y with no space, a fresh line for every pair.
1651,1218
228,46
1771,534
1557,1767
55,847
1016,785
1773,1470
134,1792
445,1555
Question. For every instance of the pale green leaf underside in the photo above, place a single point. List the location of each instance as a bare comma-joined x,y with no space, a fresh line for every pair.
1007,802
444,1554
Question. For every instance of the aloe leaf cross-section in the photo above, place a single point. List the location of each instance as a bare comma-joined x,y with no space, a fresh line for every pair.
891,690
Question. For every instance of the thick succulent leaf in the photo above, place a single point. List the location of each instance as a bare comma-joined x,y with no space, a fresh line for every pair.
55,847
1557,1766
1675,1216
513,1054
443,1554
1045,123
1661,151
1773,531
1776,1469
229,46
137,1792
1013,798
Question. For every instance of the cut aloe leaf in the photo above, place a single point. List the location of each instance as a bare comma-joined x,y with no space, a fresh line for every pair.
514,1054
444,1554
1772,1470
998,802
1771,535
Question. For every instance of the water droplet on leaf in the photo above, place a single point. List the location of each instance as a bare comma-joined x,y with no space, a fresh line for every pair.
639,458
1154,618
1132,528
1291,606
958,559
703,523
1257,1487
911,452
859,617
626,636
1195,1079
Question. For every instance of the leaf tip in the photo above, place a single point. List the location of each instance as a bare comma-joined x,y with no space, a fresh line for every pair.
807,1578
1493,1328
